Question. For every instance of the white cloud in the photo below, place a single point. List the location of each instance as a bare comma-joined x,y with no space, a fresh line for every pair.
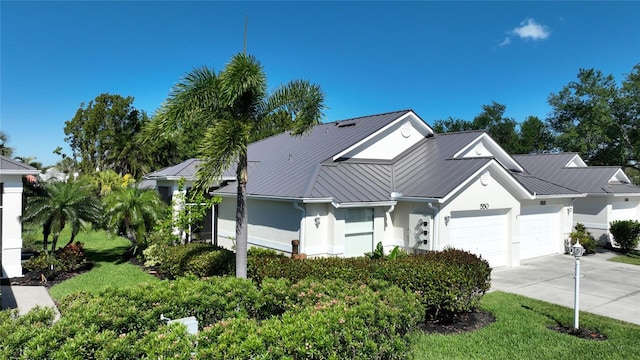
530,29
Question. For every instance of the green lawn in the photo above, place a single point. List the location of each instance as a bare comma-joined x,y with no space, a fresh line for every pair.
521,332
630,258
106,253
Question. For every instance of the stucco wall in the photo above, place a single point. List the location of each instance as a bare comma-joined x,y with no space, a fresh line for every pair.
592,211
11,226
272,224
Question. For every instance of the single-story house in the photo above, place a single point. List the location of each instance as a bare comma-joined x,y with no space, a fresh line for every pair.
11,205
347,185
610,194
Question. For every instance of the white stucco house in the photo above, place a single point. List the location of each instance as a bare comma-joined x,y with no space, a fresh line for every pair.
11,173
347,185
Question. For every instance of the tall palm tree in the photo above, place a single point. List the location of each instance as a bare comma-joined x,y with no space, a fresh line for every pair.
29,160
235,108
4,149
132,211
57,204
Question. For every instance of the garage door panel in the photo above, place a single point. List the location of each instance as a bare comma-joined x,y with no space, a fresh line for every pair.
481,233
539,232
624,210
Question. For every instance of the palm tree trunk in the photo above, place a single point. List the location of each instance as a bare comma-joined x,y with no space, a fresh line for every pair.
73,237
241,218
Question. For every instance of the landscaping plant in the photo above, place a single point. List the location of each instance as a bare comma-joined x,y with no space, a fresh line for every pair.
584,237
626,234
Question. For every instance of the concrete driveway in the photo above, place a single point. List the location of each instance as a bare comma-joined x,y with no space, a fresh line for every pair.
606,288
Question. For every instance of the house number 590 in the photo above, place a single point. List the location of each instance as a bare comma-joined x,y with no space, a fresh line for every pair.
484,206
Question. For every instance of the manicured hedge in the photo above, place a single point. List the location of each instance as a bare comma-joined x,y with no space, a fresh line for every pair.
626,234
238,319
197,259
450,282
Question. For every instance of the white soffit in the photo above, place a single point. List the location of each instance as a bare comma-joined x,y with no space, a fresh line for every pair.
408,125
485,146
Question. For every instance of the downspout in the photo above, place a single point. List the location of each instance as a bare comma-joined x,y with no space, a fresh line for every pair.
436,234
302,227
388,214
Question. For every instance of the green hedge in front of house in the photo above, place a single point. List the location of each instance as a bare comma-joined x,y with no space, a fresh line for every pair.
237,319
449,282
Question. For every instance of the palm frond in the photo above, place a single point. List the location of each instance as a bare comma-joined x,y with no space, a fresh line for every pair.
301,101
243,85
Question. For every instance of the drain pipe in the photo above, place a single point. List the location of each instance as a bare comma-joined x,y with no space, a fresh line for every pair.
302,227
436,213
388,215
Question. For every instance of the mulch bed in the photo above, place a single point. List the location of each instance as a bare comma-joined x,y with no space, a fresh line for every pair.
463,323
581,332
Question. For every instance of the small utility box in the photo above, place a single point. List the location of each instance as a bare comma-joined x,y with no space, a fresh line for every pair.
190,322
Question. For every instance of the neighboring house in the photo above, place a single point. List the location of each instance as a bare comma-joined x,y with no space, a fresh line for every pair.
347,185
11,205
610,194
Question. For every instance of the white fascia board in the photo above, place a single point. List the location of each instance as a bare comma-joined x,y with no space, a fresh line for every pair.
619,176
363,204
277,198
421,199
506,175
625,195
410,114
494,148
561,196
19,172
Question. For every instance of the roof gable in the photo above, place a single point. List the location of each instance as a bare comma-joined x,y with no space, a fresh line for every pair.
485,146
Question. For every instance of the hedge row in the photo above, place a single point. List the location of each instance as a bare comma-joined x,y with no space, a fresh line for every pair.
237,320
450,282
197,259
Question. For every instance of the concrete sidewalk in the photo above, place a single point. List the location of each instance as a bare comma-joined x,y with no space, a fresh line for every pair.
25,298
606,288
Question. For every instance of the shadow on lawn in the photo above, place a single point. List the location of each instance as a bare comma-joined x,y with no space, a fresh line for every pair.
116,255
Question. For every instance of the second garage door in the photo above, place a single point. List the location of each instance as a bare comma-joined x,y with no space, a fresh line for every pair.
483,233
540,232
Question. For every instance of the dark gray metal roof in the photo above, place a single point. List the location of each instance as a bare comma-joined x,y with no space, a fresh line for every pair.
186,169
590,179
10,166
353,182
288,165
542,187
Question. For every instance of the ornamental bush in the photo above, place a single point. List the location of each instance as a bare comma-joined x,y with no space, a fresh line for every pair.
626,234
585,238
449,282
237,319
197,259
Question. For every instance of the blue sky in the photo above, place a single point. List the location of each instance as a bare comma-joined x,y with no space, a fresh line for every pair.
440,59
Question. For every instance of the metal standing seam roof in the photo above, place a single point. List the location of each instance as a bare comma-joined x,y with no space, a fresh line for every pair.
10,166
288,165
590,179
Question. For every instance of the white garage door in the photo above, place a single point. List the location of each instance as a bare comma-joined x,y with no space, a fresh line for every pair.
624,210
483,233
540,232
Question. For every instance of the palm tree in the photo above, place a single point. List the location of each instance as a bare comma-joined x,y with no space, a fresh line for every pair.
131,211
4,149
29,160
57,204
235,108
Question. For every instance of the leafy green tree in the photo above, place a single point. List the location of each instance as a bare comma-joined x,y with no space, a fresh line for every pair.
233,108
132,212
534,137
57,204
492,120
599,119
102,136
4,149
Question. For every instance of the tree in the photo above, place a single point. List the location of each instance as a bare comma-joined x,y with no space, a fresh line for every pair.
234,108
57,204
29,160
102,136
599,119
534,137
132,211
4,149
492,120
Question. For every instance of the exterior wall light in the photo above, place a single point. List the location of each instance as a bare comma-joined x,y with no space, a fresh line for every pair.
447,219
316,220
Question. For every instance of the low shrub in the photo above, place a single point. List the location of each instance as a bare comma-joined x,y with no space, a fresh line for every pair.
585,238
626,234
71,257
197,259
237,319
450,282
